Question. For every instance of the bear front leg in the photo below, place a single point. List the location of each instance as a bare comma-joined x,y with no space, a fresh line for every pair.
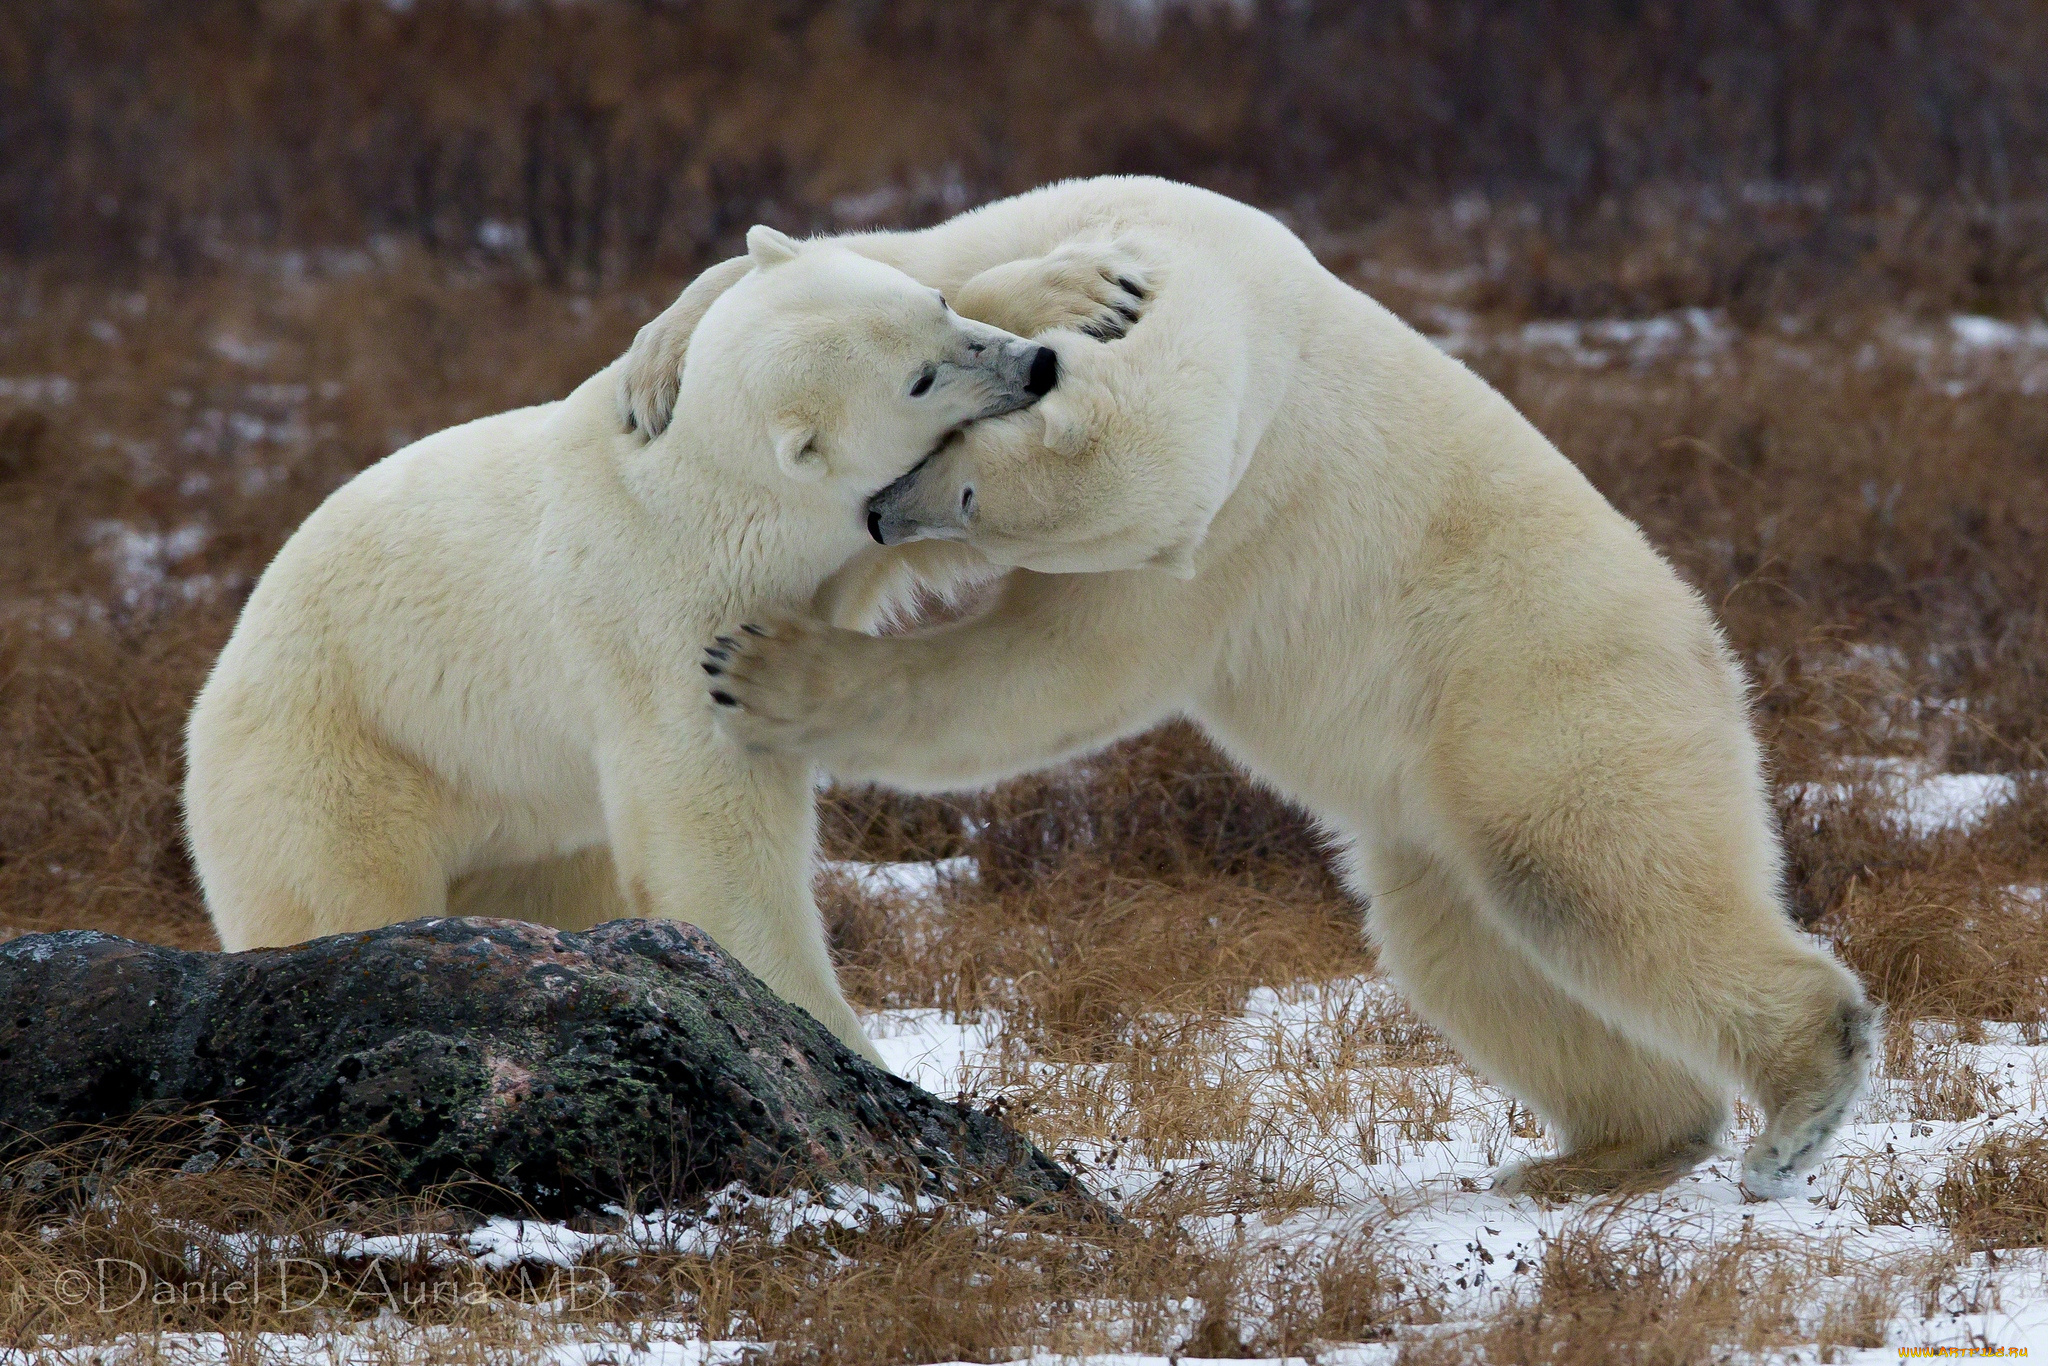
1061,665
1095,287
726,844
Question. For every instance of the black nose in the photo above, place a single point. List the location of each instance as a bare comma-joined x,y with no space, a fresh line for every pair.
1045,372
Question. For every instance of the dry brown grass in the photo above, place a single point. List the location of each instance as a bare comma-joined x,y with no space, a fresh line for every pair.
1124,910
1995,1194
129,1232
116,1235
250,247
1612,1294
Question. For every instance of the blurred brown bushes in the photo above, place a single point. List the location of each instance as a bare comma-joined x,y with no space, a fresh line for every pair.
1812,141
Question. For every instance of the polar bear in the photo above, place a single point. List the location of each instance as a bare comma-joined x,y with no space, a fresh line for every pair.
469,682
1277,510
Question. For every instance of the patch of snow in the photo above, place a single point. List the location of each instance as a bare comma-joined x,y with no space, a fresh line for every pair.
916,880
389,1339
1924,804
37,388
736,1211
931,1049
500,1244
218,432
495,234
241,350
141,560
1997,334
869,207
1590,342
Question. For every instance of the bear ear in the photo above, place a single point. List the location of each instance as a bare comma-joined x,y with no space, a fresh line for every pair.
768,247
797,454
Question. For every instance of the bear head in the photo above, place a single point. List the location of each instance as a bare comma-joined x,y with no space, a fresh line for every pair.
850,371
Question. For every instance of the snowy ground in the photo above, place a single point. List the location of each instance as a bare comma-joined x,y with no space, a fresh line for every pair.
1424,1194
1429,1194
1402,1146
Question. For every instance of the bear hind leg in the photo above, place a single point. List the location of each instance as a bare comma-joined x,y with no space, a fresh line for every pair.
289,849
1705,969
1807,1091
569,892
1626,1116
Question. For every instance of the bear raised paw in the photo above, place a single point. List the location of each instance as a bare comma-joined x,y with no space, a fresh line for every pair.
1094,287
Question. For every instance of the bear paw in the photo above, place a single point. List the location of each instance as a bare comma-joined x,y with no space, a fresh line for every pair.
1603,1170
782,685
1097,288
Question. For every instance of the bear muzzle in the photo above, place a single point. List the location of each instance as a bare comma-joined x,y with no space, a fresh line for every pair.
920,506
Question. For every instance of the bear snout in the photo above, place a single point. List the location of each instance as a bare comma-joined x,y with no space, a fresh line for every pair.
1045,372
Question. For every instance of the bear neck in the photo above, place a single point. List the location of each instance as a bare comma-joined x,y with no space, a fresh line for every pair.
741,518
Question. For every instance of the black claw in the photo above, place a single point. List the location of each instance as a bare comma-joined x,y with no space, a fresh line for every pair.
632,422
724,699
1130,315
753,630
719,655
1129,286
1100,331
728,642
713,669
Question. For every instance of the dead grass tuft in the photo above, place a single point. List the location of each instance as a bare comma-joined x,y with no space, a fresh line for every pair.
1995,1194
1616,1294
1944,943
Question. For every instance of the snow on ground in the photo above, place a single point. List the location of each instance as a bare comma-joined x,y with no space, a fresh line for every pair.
1419,1188
1920,802
903,879
51,389
1957,356
1411,1150
1424,1190
1402,1150
1696,334
1996,334
141,559
390,1338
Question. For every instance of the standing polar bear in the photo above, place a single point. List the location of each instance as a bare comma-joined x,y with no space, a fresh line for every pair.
469,682
1369,579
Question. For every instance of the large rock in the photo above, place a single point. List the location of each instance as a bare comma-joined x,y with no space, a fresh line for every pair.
566,1071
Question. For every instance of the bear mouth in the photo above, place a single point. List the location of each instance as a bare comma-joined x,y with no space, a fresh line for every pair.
900,485
897,484
946,438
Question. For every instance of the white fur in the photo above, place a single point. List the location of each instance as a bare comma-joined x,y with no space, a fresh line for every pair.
470,682
1388,596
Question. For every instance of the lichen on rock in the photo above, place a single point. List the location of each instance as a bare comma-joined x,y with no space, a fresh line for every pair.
542,1070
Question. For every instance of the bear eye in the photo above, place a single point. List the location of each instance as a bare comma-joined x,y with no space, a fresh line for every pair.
924,384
